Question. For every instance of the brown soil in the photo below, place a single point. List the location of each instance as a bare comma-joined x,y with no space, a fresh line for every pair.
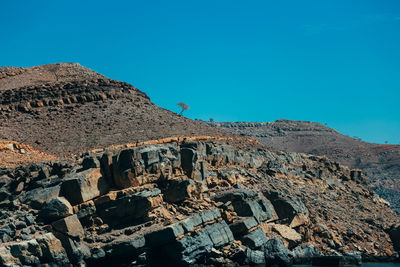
13,154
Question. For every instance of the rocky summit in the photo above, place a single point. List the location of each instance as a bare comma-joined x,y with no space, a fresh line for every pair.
379,162
92,173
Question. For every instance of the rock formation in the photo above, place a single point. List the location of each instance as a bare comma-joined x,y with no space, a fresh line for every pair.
191,202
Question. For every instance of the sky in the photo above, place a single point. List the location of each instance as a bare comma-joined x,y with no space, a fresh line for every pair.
335,62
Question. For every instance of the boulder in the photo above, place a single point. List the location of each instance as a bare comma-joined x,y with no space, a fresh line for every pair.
27,252
126,166
304,254
38,196
288,234
204,217
234,195
219,233
164,236
52,250
255,239
129,207
260,209
180,190
288,208
184,252
190,248
76,250
70,226
243,226
55,209
276,253
131,247
84,185
254,257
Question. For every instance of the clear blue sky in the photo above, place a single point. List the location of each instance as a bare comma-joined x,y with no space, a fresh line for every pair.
335,62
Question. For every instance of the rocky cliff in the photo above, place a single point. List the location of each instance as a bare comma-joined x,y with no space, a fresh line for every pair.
191,202
380,163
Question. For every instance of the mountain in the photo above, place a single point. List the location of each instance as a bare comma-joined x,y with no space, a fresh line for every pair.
66,108
94,174
379,162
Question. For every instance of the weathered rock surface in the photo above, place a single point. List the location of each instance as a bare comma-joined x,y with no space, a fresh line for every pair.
181,204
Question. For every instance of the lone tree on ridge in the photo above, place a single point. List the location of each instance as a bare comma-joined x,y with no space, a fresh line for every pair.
183,106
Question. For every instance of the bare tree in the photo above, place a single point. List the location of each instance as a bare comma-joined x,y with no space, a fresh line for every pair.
53,68
183,106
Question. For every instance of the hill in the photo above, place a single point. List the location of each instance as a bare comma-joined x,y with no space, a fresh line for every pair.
66,108
154,188
379,162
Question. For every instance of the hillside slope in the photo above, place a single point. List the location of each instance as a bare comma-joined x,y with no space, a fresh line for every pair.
380,163
66,108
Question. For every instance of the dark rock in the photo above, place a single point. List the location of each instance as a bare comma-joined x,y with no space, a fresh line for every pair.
37,197
193,221
4,194
258,208
164,236
83,186
394,233
29,219
124,251
219,233
255,257
255,239
129,207
52,250
188,161
243,226
70,226
327,260
288,208
76,250
179,190
106,168
358,177
6,232
54,209
185,251
352,258
90,162
234,195
5,181
20,225
304,254
276,253
28,252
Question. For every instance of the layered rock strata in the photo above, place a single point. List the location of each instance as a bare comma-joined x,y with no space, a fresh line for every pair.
196,202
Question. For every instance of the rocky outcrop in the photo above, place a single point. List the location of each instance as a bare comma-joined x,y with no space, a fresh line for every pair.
190,202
